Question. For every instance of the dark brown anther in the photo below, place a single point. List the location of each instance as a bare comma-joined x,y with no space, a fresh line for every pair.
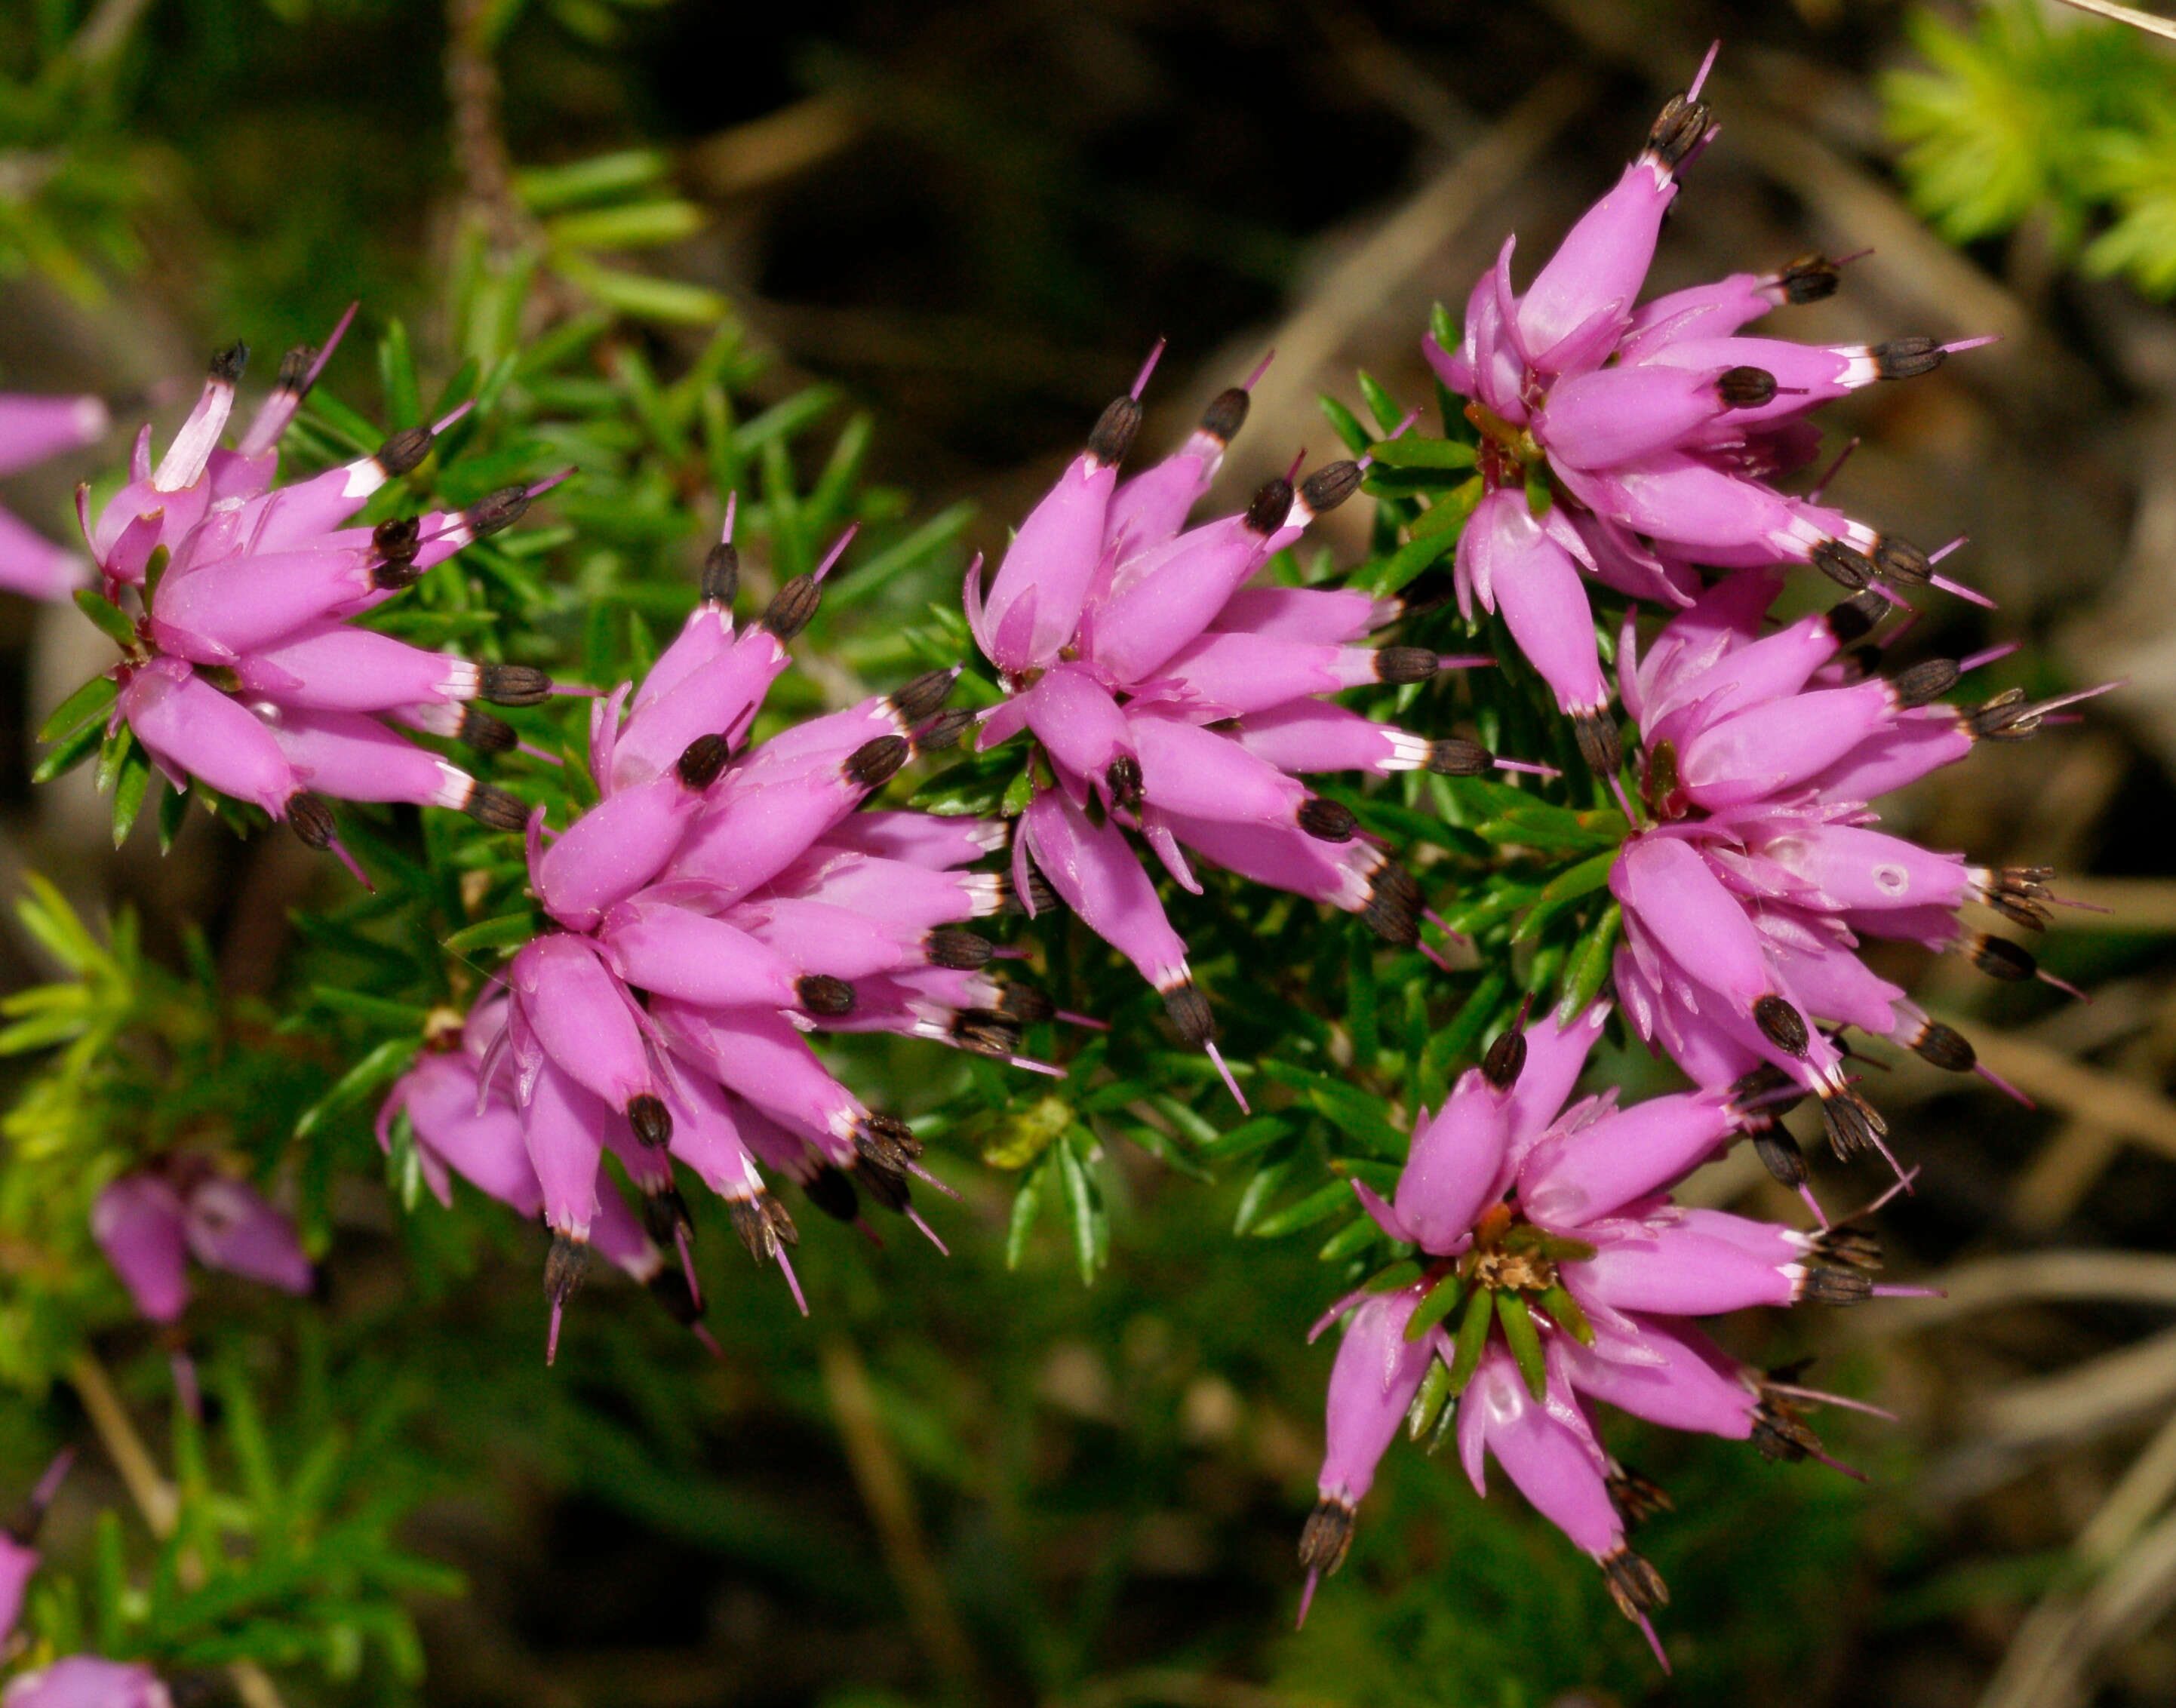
1272,503
921,697
791,607
894,1133
884,1183
1679,128
1745,388
2005,718
651,1120
1400,665
513,684
1026,1003
1113,436
311,819
295,368
1907,358
665,1214
1854,619
486,734
949,946
986,1034
721,574
1661,785
1327,821
1225,415
1331,486
1946,1047
1851,1122
404,452
1810,279
393,574
876,763
495,511
780,1219
1393,911
1999,957
1188,1010
669,1288
1506,1058
1835,1286
1324,1543
1855,1248
496,808
831,1192
1599,744
398,540
227,364
1637,1498
1780,1156
1780,1435
701,760
1454,757
821,994
943,732
1842,565
1899,560
1924,682
564,1266
1041,896
1123,779
753,1227
1781,1025
2020,894
1635,1585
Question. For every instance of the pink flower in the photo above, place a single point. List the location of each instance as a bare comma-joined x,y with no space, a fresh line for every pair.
1629,443
244,671
1746,897
32,431
149,1223
1557,1275
719,904
1171,701
88,1681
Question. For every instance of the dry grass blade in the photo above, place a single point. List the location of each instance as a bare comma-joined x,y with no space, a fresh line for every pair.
2140,1278
2149,22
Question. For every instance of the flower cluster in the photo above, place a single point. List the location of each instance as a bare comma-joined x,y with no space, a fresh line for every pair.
1746,897
719,901
242,670
151,1222
1166,695
1629,443
33,429
1547,1234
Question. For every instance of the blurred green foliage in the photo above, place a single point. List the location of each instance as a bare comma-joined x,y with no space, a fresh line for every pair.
2028,113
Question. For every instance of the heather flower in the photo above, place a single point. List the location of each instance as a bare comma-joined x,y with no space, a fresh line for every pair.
1746,897
88,1681
149,1223
244,671
719,902
1167,698
1557,1273
1629,443
33,430
18,1553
